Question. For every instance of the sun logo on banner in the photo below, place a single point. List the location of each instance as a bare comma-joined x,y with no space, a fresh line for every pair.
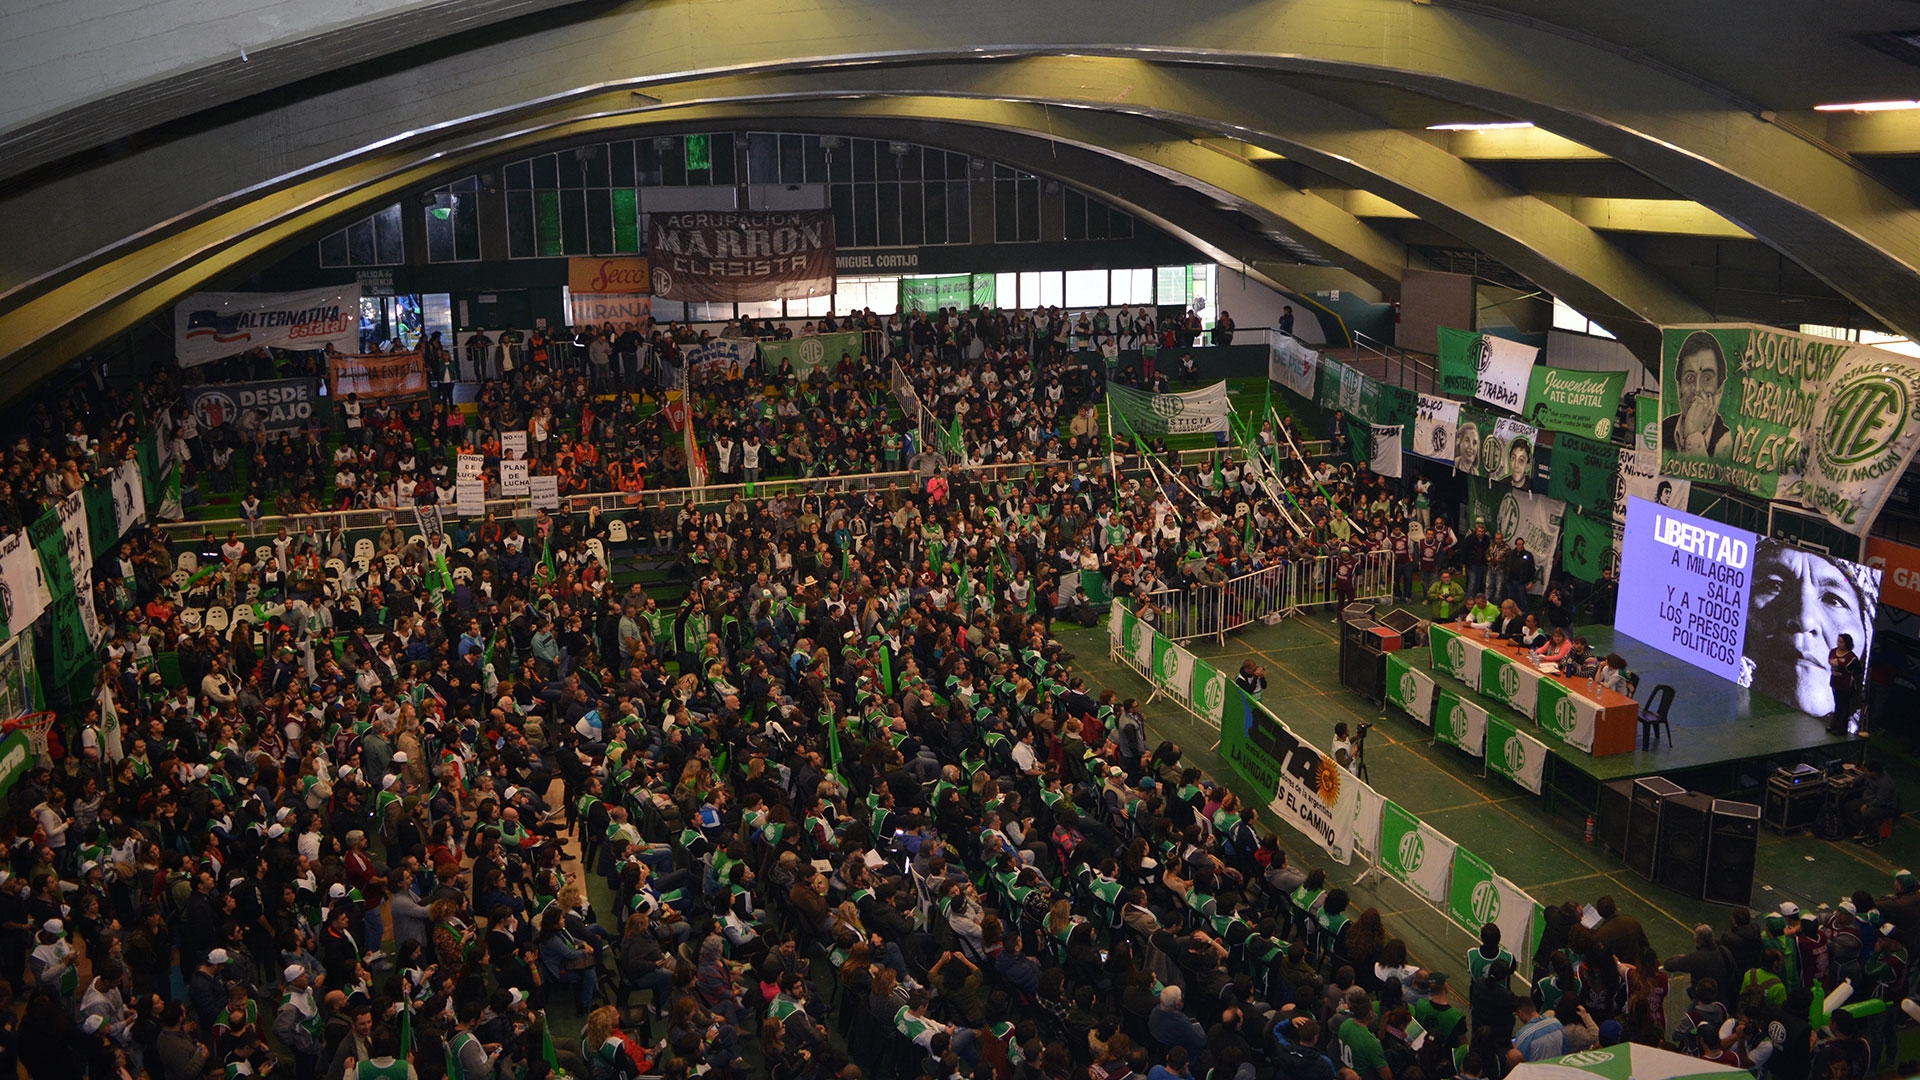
1485,901
1327,781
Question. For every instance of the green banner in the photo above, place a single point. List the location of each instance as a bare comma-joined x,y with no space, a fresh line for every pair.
16,758
1477,896
1586,545
1583,473
1327,385
1209,694
1577,402
961,291
50,545
1247,744
73,657
1646,422
1829,424
103,530
1459,372
809,354
1193,411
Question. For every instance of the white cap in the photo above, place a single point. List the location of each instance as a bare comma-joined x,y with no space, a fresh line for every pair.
217,957
337,891
400,757
391,780
1886,929
199,772
518,995
92,1024
293,972
275,832
53,926
283,813
1790,909
511,792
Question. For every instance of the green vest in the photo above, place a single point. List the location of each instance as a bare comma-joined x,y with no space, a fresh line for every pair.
395,1069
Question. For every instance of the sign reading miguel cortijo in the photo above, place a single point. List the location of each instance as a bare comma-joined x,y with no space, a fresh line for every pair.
726,256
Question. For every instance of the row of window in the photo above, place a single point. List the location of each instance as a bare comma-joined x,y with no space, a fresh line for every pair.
1070,290
587,200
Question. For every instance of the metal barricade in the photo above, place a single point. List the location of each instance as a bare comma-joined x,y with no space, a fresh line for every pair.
1202,609
1315,581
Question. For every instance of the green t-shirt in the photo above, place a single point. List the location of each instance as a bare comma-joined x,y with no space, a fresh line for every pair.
1442,1022
1479,963
1360,1049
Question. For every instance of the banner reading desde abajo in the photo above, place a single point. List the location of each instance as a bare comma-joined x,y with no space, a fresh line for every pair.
729,256
213,326
1831,425
268,406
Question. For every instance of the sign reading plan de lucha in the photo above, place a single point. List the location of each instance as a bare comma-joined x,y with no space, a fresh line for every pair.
730,256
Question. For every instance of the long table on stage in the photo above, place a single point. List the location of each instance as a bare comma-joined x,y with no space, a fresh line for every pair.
1594,719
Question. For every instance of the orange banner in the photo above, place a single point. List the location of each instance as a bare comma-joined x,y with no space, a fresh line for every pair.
378,375
1900,587
601,277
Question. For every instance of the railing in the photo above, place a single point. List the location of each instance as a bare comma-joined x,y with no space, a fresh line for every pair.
1202,610
1392,357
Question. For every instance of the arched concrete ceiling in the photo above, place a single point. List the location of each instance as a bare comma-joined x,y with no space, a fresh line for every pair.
176,205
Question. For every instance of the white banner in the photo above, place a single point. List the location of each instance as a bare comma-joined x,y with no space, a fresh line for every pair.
470,498
1511,447
428,519
544,492
214,326
23,588
1639,477
1533,518
129,497
1293,366
513,444
77,538
1142,644
1415,854
1433,427
1366,817
1352,383
1504,368
1384,452
593,309
513,478
1413,693
111,745
468,466
83,599
1147,415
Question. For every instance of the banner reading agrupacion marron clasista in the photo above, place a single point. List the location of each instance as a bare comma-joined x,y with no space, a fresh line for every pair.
727,256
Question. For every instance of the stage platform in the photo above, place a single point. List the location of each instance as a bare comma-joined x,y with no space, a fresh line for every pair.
1725,738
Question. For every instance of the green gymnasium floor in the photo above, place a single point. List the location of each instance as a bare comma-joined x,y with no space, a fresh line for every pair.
1511,828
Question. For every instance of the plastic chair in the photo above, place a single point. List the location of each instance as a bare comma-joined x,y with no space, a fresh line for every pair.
188,561
263,554
617,531
217,619
1653,717
363,550
598,550
336,567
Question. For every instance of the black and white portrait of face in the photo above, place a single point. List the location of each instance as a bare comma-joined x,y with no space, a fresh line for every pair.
1801,602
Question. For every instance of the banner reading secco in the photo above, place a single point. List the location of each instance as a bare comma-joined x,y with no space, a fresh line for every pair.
1828,424
214,326
607,277
730,256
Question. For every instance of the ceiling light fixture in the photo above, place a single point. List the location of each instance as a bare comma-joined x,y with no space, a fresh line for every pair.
1500,125
1869,106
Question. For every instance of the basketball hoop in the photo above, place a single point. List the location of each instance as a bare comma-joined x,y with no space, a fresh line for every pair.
37,726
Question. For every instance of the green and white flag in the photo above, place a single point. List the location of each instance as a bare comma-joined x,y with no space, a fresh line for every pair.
23,588
1492,369
1141,645
1583,473
810,354
1455,655
1534,518
1209,691
1119,619
1587,547
1639,477
1461,723
1149,415
1577,402
1172,666
1567,715
1516,755
1625,1061
1410,690
1478,896
1506,680
1415,854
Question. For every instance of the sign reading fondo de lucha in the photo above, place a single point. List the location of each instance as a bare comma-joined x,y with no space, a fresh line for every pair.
728,256
268,406
214,326
1828,424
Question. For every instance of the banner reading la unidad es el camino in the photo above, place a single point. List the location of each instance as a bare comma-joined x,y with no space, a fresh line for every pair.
1828,424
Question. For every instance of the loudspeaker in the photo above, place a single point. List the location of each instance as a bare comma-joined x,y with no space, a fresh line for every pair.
1731,852
1363,663
1641,848
1359,609
1616,798
1402,620
1685,821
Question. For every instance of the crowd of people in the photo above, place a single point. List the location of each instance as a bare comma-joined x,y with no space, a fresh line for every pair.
844,809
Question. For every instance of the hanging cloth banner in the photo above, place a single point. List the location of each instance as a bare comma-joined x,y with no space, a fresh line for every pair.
377,375
963,291
811,354
129,497
1492,369
1435,424
1576,402
1414,853
213,326
1830,425
1477,896
1640,479
1201,410
1293,366
1474,447
1410,690
1516,755
729,256
1582,473
23,589
1309,790
1534,518
1172,667
1508,453
1460,723
1586,545
1384,459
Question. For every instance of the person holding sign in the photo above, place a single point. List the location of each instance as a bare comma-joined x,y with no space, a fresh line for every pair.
1700,372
